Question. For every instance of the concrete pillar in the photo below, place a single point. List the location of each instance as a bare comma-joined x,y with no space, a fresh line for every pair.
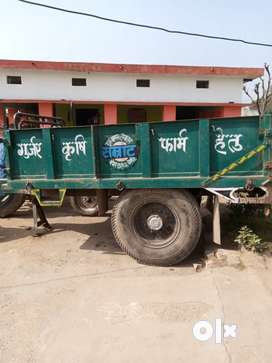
110,114
169,113
46,109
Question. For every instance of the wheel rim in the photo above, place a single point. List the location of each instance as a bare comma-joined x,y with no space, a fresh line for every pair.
156,224
88,202
4,198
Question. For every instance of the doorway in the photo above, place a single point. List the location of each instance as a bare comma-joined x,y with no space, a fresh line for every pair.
136,115
87,116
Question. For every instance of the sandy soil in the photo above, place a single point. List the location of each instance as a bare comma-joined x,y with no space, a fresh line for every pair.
73,296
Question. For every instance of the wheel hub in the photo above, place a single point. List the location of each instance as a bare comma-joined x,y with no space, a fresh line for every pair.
154,222
88,202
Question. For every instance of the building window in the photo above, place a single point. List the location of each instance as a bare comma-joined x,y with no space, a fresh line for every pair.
14,80
142,82
79,82
202,84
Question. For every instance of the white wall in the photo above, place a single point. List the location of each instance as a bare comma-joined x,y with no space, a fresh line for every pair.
248,111
57,85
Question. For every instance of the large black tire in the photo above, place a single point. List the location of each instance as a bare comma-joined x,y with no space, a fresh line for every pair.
157,227
85,205
9,203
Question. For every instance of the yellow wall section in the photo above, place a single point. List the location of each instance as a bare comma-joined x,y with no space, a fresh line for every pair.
64,111
153,113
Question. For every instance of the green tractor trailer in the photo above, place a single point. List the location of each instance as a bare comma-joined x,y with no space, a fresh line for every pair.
159,172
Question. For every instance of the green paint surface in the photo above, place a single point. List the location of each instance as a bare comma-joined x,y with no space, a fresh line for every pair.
175,148
238,138
72,152
179,154
32,163
103,135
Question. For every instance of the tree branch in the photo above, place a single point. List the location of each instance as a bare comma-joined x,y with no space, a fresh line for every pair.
262,91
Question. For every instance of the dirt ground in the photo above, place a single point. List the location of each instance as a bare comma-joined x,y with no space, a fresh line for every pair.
73,296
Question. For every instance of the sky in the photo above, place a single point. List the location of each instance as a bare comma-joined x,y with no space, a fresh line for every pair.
29,32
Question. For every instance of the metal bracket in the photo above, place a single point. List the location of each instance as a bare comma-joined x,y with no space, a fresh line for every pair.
120,186
49,203
216,221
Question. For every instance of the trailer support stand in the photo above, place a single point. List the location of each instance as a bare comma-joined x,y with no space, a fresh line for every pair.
39,218
102,201
216,221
